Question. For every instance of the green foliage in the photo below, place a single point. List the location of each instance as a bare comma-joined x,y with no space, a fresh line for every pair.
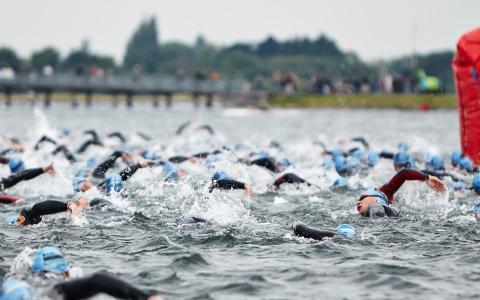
9,58
143,48
47,56
83,59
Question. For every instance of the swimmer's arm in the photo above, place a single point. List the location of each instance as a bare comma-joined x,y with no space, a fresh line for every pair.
177,159
227,184
104,166
5,199
129,171
387,155
4,160
361,140
397,181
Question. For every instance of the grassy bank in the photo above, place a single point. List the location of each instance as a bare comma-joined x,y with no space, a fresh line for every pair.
445,101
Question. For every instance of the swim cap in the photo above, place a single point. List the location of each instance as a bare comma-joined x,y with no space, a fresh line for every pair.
16,165
340,164
263,153
357,153
10,220
476,183
151,155
170,171
49,259
113,182
346,230
381,197
465,163
435,163
78,182
402,159
192,217
14,289
93,161
373,158
403,147
220,175
66,131
286,163
476,208
336,153
126,148
455,158
340,183
459,186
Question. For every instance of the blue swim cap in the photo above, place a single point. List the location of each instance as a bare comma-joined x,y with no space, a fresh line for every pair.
286,163
476,183
151,155
328,164
435,163
220,175
336,153
126,148
78,181
340,183
340,164
346,230
14,289
49,259
459,186
373,158
263,153
455,158
403,147
10,220
381,197
66,131
113,182
466,163
402,159
170,171
476,208
16,165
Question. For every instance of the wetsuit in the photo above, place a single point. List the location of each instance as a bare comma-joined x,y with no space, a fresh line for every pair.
362,140
68,155
125,174
310,233
107,164
5,199
98,283
267,163
288,178
118,135
34,214
178,159
13,179
226,184
42,140
390,188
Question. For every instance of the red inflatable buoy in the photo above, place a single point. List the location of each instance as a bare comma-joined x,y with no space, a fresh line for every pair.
466,68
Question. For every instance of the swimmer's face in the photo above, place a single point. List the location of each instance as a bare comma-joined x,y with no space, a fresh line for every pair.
86,186
363,204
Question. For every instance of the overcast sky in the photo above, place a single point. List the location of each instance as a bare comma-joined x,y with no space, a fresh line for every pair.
372,28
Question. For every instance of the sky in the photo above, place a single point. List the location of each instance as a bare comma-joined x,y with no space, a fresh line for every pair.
374,29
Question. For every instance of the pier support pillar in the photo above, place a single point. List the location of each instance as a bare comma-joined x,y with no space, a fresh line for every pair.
48,99
129,100
88,99
168,100
209,100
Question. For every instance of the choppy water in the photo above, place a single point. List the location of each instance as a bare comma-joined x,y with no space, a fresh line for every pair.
248,251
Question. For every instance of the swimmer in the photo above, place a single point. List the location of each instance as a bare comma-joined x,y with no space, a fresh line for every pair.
374,202
103,167
27,174
288,178
302,230
220,180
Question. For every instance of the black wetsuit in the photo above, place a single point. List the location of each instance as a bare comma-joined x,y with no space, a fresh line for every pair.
42,140
67,153
13,179
178,159
34,214
267,163
226,184
107,164
118,135
288,178
99,283
125,174
310,233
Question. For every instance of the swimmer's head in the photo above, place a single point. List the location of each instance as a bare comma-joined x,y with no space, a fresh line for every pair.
14,289
49,259
371,203
476,183
476,211
93,161
285,163
263,153
149,155
466,164
357,153
373,158
220,175
435,163
403,146
345,230
113,182
328,164
459,186
16,165
336,153
455,158
402,160
340,183
11,220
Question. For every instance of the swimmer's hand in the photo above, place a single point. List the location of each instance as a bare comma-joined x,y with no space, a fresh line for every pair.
74,209
155,297
436,184
82,202
49,169
249,191
127,157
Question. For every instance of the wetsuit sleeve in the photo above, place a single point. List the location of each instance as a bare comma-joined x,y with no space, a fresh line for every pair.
310,233
265,162
48,207
104,166
5,199
201,155
68,155
118,135
227,184
87,144
396,182
288,178
42,140
177,159
387,155
24,175
96,284
4,160
129,171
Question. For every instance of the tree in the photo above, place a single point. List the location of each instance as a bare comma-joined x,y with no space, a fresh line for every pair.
8,58
47,56
143,48
268,47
